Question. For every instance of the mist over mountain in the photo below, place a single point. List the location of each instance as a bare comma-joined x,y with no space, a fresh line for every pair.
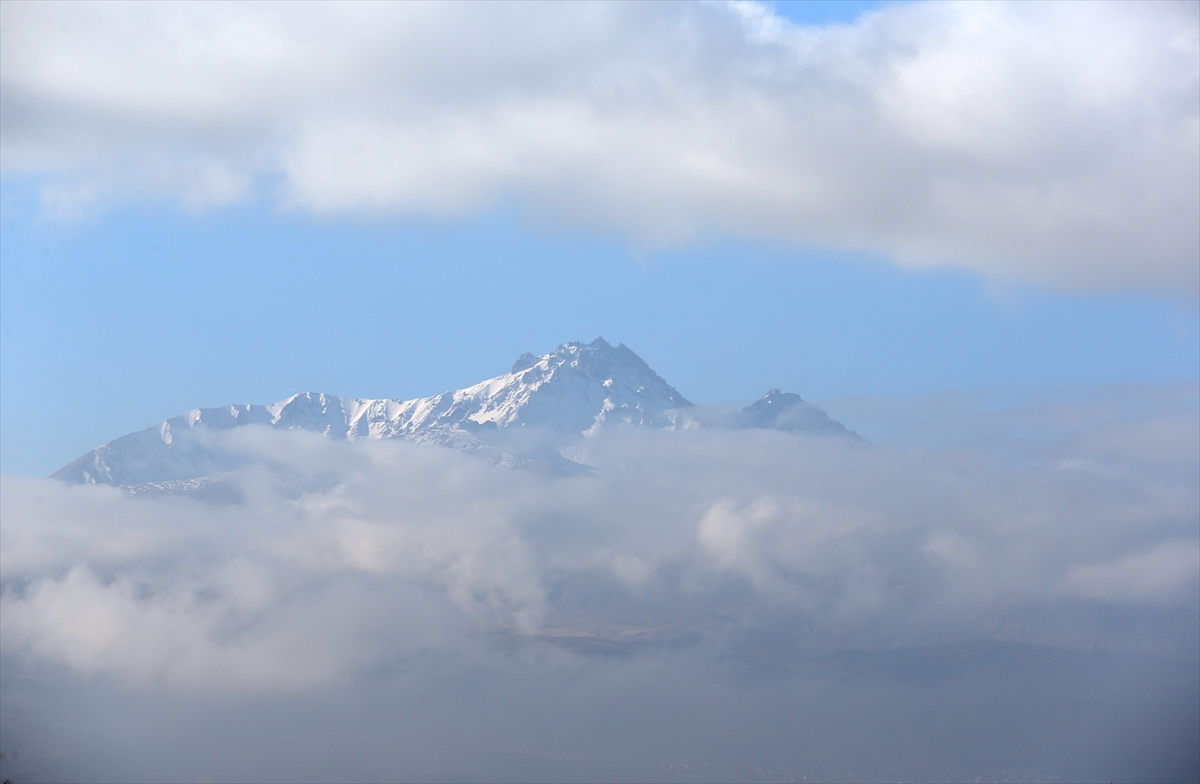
571,393
337,589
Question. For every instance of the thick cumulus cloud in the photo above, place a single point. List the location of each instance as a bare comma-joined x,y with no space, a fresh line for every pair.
1046,142
704,605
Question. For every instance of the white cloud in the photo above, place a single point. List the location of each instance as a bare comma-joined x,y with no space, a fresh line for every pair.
1164,574
1054,143
744,600
770,540
323,558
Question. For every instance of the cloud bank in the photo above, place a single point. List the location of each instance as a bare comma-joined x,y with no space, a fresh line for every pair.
707,605
1044,142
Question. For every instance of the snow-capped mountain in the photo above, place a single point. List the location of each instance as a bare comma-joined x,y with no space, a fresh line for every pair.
787,411
570,393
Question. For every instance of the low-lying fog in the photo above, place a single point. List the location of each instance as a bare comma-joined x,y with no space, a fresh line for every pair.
1016,597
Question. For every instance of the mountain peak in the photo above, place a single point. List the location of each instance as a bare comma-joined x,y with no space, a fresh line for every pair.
524,362
597,344
788,411
573,350
574,388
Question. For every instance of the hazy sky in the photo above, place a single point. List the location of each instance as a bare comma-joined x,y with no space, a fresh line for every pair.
968,230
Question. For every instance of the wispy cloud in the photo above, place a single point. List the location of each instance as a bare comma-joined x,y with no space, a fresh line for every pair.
1054,143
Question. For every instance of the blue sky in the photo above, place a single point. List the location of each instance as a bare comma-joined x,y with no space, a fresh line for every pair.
136,304
818,12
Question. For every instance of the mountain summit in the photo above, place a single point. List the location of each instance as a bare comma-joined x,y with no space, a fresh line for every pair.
570,393
788,411
574,390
